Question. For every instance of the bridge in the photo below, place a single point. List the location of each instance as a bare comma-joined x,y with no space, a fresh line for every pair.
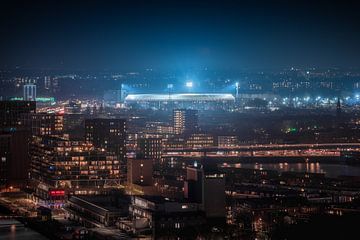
264,150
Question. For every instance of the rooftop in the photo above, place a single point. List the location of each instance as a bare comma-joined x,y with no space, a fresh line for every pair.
181,97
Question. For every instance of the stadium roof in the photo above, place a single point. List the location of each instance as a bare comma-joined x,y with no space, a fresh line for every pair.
180,97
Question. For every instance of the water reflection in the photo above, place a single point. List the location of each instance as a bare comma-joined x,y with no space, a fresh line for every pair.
11,229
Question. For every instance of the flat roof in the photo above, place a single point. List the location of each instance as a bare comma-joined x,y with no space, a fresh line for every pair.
154,199
99,203
181,97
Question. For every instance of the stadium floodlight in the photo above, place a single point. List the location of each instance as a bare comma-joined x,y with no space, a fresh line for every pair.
237,89
189,84
169,88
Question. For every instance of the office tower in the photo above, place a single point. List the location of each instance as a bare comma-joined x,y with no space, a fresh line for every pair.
60,166
29,92
12,112
227,141
139,172
206,188
55,85
14,157
45,123
214,195
150,148
200,140
47,82
15,137
108,134
5,155
185,120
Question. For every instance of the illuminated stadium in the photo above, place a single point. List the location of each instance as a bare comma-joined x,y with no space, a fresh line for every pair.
188,100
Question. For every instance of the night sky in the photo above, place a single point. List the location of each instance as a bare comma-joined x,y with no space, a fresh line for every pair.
132,35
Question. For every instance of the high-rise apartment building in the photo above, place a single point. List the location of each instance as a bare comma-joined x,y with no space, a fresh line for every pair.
185,120
110,135
47,82
60,166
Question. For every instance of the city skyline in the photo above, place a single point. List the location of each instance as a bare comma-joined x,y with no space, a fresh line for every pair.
155,119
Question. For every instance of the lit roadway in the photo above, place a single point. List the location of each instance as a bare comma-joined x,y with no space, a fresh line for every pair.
266,150
323,189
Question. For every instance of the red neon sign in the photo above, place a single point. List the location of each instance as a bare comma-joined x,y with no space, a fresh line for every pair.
55,193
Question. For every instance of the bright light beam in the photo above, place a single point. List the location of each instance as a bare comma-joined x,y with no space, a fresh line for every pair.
189,84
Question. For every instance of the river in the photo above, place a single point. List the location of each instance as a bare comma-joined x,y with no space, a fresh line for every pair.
11,229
